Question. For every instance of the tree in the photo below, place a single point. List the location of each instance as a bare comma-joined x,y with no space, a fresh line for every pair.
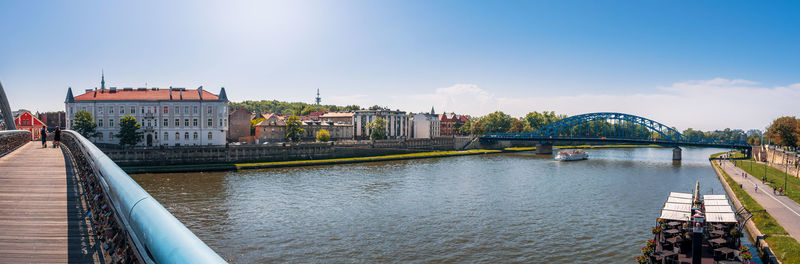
129,134
378,107
784,131
516,126
536,120
377,128
85,125
323,135
294,128
253,124
466,128
497,122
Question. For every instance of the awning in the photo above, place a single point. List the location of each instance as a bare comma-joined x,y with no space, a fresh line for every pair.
680,195
719,209
678,207
675,215
679,200
720,217
715,202
714,197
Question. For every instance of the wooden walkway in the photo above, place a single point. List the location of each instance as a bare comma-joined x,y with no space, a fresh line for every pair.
41,211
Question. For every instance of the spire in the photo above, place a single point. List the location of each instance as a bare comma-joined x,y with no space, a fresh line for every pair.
318,98
102,80
432,112
70,98
222,95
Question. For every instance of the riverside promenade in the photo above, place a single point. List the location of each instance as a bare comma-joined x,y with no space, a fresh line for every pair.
41,211
783,209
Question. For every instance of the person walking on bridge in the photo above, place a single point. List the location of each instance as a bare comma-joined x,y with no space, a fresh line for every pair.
57,137
43,134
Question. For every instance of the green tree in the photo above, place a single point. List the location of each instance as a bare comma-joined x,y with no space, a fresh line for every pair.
784,131
253,124
378,107
294,128
377,128
497,122
323,135
85,125
516,126
129,133
466,128
536,120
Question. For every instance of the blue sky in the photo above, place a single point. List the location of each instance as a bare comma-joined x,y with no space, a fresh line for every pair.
670,61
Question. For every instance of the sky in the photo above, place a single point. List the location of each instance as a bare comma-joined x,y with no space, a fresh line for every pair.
688,64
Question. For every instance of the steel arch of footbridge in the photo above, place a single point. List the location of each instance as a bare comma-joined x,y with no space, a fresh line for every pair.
556,132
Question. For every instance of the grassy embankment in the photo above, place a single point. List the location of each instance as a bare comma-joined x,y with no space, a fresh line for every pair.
775,177
418,155
785,248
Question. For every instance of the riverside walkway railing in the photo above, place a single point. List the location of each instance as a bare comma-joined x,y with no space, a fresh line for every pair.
149,233
13,139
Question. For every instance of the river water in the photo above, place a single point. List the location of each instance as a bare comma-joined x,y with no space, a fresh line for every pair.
491,208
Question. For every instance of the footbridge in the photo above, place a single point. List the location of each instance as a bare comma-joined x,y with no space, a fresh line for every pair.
610,128
74,205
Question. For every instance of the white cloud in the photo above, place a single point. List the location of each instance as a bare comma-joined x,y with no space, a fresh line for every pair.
701,104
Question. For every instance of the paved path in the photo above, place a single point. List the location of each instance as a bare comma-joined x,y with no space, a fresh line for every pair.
783,209
41,220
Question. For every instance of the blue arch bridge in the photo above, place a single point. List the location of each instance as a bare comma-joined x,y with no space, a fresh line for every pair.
609,128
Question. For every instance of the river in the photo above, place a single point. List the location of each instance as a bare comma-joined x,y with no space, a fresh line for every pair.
491,208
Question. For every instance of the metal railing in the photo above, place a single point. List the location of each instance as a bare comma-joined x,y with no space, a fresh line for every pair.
157,236
13,139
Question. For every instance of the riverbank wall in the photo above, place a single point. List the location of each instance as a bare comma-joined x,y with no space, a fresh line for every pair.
754,233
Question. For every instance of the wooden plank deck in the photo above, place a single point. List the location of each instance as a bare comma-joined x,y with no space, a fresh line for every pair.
41,211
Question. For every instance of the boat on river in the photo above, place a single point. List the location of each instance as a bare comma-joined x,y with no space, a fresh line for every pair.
697,229
572,155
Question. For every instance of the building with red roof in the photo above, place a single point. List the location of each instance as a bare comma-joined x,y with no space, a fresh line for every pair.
24,120
167,116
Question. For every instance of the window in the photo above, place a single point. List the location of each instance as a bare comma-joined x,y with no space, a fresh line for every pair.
110,135
100,122
83,108
186,110
177,122
166,110
71,111
210,123
209,135
195,135
149,124
225,122
194,122
209,110
186,122
143,109
133,110
99,109
220,123
121,110
111,123
111,110
166,136
166,123
186,135
194,110
177,110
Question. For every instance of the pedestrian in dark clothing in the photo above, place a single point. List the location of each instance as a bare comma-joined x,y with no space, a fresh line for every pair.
43,135
57,137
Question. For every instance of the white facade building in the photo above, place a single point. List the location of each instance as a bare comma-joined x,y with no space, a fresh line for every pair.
167,117
424,125
396,123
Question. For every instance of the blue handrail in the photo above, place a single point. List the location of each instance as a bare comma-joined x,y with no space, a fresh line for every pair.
157,234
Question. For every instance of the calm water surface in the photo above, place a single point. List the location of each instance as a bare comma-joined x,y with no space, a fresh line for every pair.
491,208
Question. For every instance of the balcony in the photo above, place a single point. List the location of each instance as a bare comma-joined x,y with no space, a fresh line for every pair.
148,129
149,115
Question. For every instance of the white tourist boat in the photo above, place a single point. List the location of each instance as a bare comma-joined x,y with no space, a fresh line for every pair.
572,155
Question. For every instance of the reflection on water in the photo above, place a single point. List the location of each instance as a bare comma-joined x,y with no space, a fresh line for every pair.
490,208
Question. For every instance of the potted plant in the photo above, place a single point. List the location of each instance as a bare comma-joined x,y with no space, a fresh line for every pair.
747,256
646,250
651,243
656,230
641,259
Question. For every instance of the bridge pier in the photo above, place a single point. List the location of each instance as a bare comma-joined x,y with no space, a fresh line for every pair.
544,148
676,153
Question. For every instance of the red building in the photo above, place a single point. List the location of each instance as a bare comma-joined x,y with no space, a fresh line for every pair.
450,122
26,121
